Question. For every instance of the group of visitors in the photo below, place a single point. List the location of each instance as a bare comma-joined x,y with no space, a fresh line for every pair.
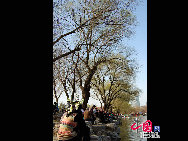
95,115
80,116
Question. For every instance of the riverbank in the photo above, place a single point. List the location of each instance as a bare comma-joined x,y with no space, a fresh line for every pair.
119,129
105,132
98,131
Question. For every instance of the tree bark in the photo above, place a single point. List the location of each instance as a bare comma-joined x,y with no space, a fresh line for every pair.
86,88
56,100
101,105
105,107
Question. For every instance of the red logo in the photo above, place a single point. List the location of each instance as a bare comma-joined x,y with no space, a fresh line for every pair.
147,126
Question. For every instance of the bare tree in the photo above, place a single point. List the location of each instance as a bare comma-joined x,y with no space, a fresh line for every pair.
64,72
90,31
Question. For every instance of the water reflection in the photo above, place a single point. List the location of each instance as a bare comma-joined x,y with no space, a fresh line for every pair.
127,134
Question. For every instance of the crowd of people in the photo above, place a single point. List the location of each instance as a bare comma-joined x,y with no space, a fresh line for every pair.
97,115
93,114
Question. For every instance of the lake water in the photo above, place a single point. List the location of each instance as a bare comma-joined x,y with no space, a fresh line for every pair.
127,134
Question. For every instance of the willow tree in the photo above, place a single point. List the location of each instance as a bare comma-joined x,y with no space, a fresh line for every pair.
114,79
91,30
121,106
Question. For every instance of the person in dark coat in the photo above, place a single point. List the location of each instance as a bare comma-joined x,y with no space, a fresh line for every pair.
101,116
82,129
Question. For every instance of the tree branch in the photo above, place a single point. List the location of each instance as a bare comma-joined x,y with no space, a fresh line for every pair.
66,54
73,31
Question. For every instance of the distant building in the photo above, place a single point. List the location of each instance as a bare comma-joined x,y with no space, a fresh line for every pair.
136,102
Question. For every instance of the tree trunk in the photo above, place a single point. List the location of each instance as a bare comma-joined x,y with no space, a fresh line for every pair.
111,108
105,107
86,88
86,95
56,100
101,105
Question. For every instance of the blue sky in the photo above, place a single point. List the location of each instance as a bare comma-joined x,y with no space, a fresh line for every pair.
139,42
